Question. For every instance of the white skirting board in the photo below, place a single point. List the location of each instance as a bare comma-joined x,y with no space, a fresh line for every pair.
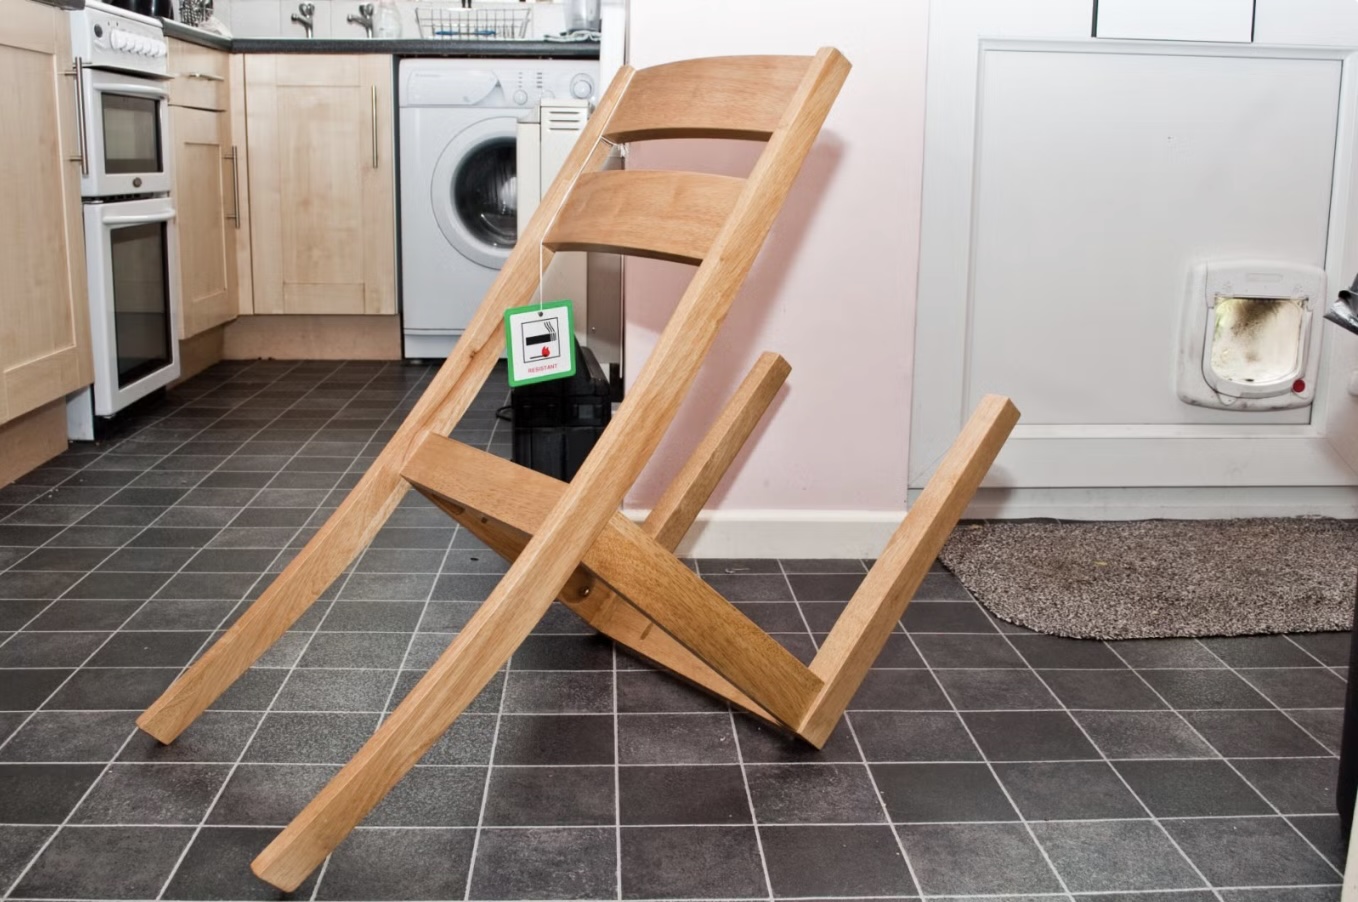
863,534
786,533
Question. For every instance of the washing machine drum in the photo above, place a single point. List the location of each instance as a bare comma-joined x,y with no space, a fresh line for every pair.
475,193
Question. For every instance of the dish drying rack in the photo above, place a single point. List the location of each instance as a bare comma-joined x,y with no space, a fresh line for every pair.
491,22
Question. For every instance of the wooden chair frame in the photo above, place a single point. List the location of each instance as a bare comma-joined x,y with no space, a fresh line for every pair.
569,541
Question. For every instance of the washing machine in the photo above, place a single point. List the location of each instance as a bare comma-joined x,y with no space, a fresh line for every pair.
458,121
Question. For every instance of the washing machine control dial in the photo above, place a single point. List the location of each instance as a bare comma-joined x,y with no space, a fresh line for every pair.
520,97
582,87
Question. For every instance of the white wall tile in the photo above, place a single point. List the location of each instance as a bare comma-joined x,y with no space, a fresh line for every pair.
255,18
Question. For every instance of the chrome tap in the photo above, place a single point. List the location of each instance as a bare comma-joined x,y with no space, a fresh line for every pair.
304,16
364,18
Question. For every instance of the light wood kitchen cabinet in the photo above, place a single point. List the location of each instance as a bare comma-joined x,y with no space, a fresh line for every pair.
44,307
206,187
321,183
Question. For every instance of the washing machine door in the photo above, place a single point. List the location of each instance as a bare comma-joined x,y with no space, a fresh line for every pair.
475,191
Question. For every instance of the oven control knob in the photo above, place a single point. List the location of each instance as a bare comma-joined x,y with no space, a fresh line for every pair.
160,48
118,40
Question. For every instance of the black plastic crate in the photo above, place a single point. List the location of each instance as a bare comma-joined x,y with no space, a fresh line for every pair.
556,423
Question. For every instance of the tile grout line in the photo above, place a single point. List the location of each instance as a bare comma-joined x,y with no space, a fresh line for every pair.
33,860
212,805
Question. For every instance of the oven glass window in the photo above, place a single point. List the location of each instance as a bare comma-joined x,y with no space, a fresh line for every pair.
141,300
131,134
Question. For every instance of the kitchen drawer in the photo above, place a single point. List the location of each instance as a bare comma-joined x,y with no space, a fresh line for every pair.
200,76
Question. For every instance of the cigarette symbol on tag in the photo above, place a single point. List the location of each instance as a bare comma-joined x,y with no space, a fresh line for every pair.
541,340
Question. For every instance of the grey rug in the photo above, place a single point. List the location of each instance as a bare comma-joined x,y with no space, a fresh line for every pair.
1156,578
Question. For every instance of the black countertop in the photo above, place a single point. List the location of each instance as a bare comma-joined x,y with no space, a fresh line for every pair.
397,47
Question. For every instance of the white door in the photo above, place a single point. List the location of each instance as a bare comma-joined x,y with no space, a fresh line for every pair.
1070,185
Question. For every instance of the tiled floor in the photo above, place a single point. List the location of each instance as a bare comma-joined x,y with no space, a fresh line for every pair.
978,760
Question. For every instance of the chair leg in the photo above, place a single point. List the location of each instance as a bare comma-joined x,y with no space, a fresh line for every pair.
461,672
862,629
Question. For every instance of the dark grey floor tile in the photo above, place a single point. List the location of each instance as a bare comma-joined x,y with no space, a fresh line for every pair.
1115,855
1294,785
410,587
1244,852
1068,790
16,612
374,650
813,794
18,845
336,690
42,793
109,537
268,794
1200,895
1187,689
1153,653
310,738
1328,648
676,739
1323,724
25,536
1259,651
947,617
467,741
824,586
899,690
1191,789
71,559
577,692
253,691
179,614
996,690
428,537
1302,687
921,793
691,862
924,736
123,689
464,587
1277,894
152,794
753,587
712,566
83,614
65,649
216,736
563,653
432,797
89,736
399,865
1253,734
974,859
1323,832
553,796
217,867
899,651
173,537
944,651
1029,736
1101,689
835,860
654,692
1143,734
149,649
763,743
691,795
447,616
156,560
230,560
105,863
564,863
820,616
781,617
198,517
269,537
555,739
231,586
1053,652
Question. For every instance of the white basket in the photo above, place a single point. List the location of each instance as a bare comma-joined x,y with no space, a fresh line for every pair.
488,23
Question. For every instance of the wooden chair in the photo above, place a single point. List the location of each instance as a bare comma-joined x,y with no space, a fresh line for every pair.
569,541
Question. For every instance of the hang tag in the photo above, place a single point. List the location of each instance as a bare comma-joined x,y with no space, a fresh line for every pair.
540,342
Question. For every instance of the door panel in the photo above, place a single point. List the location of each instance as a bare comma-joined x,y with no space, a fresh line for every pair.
200,197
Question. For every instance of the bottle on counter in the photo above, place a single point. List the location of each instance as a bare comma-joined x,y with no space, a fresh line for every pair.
387,20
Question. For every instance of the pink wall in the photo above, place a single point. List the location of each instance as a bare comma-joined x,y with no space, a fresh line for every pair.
834,289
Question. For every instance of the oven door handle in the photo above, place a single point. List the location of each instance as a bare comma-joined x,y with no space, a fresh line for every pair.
138,220
131,89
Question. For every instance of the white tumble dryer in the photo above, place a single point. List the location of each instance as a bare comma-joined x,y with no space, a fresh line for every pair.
459,191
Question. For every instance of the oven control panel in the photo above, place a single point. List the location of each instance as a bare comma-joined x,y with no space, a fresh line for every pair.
106,37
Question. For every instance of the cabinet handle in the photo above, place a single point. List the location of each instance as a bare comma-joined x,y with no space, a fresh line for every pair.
374,126
83,157
204,75
234,157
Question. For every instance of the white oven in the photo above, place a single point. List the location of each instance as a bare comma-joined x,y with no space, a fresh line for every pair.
131,253
126,130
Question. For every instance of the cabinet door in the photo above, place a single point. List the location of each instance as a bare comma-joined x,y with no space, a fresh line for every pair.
200,76
44,310
322,187
203,196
